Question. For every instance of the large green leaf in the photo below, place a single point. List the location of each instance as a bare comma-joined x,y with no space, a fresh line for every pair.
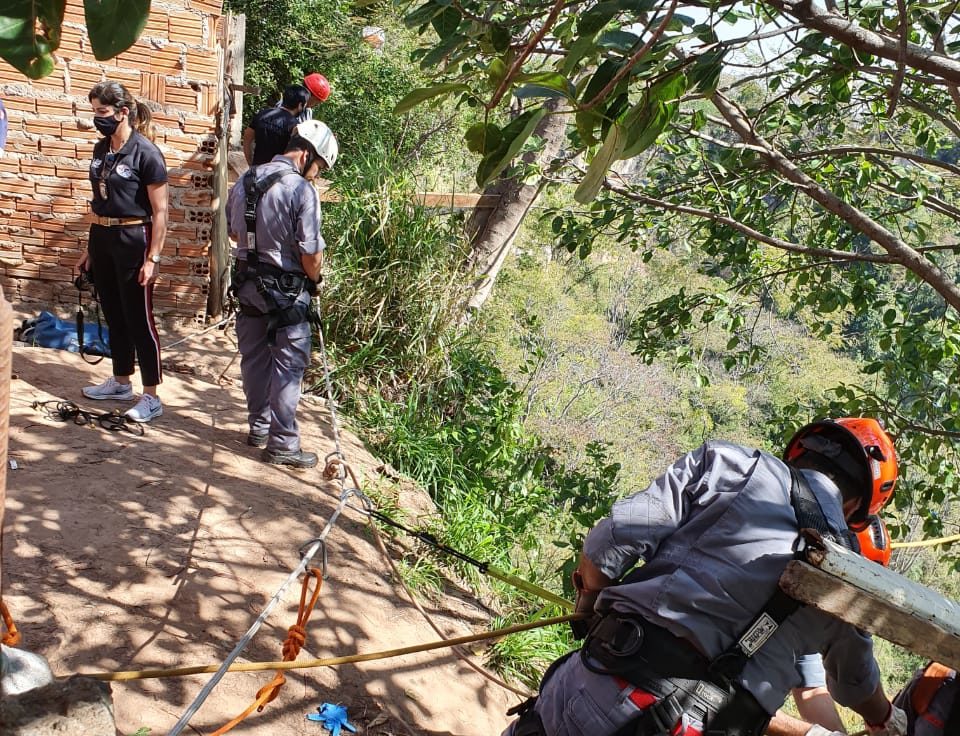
649,118
483,138
622,41
605,72
422,15
414,98
587,121
609,152
704,73
30,33
551,81
446,22
512,139
114,25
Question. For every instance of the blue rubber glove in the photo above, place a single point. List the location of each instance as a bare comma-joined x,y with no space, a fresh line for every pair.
333,717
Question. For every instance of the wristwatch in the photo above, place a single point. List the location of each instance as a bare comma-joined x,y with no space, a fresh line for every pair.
155,258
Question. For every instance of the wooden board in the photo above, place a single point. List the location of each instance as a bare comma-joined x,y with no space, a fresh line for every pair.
877,600
438,199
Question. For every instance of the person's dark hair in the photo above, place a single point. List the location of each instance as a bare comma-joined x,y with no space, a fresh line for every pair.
116,95
297,143
294,95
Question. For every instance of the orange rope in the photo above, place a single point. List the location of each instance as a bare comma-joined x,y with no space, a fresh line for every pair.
296,637
12,637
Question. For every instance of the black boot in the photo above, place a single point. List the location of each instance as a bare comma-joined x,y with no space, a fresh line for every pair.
293,458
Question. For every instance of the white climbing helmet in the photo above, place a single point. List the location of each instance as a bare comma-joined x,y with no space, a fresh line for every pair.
320,137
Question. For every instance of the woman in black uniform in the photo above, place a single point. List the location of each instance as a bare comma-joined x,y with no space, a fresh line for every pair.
130,200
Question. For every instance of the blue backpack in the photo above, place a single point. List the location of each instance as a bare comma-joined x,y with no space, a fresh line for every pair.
49,331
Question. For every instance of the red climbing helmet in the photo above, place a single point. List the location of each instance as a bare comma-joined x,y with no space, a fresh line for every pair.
875,541
861,449
318,85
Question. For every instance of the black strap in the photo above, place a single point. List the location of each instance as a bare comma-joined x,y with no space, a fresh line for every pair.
780,606
254,190
810,514
83,283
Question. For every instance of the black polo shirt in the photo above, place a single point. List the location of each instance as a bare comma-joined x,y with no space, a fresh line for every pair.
125,176
272,127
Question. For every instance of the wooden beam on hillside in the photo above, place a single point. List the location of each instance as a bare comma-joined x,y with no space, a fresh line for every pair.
875,599
440,200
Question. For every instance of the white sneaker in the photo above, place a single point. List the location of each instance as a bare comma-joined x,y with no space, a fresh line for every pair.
109,389
149,407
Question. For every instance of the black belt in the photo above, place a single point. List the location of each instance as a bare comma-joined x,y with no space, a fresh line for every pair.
653,659
619,636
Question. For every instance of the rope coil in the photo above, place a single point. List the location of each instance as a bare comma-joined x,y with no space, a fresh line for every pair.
66,411
11,636
296,637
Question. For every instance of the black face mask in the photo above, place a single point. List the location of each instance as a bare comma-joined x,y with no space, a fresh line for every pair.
106,125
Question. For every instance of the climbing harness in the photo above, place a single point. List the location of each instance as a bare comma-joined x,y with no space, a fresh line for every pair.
66,411
678,690
286,295
923,700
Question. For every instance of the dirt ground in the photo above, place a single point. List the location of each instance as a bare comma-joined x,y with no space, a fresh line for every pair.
124,552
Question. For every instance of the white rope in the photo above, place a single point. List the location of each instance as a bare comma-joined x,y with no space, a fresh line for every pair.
308,552
226,320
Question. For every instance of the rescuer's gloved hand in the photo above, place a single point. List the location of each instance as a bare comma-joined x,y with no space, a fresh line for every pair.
894,725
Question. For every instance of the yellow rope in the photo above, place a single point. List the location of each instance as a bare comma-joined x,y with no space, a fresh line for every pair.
330,661
926,542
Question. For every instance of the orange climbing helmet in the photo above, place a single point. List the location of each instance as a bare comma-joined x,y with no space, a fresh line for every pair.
318,85
875,541
861,449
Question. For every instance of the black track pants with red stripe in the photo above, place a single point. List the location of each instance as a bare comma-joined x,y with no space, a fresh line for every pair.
116,257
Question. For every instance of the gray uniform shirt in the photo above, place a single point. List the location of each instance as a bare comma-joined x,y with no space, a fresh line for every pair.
715,533
288,222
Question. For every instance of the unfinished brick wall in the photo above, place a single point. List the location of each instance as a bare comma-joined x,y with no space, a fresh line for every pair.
175,68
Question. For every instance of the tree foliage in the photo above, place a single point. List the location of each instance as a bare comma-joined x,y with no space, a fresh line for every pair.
30,30
287,39
805,154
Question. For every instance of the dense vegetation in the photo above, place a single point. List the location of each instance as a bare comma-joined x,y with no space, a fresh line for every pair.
694,295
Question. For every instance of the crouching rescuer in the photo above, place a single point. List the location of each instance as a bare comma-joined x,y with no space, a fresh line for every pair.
699,640
274,214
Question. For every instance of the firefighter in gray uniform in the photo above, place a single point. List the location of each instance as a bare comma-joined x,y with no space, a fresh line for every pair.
274,214
698,640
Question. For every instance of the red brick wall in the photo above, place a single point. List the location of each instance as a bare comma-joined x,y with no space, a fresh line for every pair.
175,69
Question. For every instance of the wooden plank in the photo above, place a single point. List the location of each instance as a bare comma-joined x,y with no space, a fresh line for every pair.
219,255
880,601
235,48
439,200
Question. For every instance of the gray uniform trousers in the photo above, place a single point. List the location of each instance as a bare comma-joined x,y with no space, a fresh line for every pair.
271,378
575,701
